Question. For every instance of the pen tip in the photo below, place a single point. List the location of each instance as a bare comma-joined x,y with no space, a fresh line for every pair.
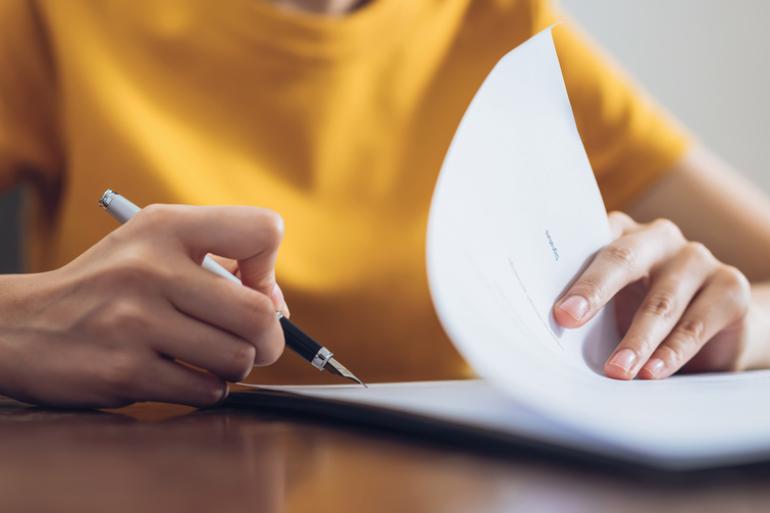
337,368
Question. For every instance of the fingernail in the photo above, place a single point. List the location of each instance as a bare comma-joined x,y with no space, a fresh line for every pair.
655,366
623,359
279,301
575,306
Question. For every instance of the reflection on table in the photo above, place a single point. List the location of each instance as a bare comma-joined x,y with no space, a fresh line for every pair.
164,458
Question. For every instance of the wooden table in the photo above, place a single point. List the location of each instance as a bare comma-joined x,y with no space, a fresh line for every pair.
164,458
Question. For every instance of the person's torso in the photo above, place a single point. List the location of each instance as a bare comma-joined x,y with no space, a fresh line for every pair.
340,125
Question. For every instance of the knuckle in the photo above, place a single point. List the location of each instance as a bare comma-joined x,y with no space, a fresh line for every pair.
672,353
667,227
620,218
120,372
136,267
125,315
697,250
273,226
660,304
733,277
620,254
739,286
154,214
687,336
692,329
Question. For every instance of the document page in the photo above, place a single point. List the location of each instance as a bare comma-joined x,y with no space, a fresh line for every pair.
516,215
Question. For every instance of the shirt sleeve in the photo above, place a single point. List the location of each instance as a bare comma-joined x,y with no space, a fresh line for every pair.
631,142
28,133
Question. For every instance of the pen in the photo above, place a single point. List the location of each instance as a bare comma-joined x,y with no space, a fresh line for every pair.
319,356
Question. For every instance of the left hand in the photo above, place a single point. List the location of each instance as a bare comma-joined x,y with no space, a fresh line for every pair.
676,304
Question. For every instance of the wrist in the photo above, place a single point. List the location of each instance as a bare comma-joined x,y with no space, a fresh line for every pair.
755,352
17,298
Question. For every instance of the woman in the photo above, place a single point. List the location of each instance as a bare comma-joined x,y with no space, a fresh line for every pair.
336,116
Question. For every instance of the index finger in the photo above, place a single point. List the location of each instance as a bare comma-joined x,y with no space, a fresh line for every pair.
622,262
250,235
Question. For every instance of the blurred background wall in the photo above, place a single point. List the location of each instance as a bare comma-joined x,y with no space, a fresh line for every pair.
705,60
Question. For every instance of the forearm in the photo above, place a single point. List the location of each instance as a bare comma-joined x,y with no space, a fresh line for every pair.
713,204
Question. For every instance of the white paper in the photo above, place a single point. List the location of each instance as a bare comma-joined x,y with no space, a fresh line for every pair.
515,190
515,216
477,404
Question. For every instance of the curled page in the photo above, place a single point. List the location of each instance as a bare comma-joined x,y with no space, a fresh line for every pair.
516,215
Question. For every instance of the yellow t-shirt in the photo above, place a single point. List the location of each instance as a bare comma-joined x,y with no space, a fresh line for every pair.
339,124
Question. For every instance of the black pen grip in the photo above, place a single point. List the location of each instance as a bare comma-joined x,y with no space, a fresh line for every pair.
298,341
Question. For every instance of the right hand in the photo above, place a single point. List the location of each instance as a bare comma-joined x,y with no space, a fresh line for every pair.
135,318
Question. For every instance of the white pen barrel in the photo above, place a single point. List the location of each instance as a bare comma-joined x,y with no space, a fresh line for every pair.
120,208
211,265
